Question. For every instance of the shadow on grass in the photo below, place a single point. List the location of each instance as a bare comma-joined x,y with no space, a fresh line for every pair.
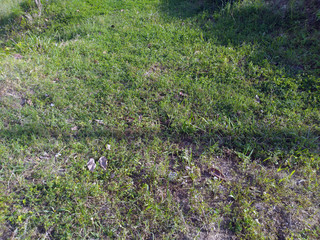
276,144
285,35
14,21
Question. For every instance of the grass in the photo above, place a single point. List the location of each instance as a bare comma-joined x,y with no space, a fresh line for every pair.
206,111
8,7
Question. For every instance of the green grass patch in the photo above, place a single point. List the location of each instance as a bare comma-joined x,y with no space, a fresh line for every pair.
207,113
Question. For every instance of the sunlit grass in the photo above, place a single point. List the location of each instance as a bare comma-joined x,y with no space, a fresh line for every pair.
7,6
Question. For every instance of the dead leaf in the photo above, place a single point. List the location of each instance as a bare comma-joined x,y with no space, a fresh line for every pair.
217,173
130,119
99,121
257,99
75,128
183,94
29,102
17,56
103,162
91,164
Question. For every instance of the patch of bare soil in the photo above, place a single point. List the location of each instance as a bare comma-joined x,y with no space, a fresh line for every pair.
5,233
216,236
282,203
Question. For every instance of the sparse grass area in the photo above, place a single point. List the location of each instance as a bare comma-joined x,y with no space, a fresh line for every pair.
207,112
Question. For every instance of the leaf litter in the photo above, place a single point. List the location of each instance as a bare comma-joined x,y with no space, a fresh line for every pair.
91,164
103,162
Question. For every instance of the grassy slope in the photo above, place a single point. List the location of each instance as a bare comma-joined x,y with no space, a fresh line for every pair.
175,88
